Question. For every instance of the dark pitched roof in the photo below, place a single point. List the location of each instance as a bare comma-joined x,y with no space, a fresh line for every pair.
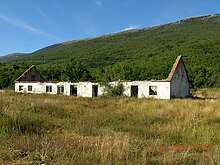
24,73
28,70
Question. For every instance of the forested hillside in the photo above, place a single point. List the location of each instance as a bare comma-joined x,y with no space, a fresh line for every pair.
12,57
141,54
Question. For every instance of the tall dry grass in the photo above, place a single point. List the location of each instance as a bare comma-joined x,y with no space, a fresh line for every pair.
71,130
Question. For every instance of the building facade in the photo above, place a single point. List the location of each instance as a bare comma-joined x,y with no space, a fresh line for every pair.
175,86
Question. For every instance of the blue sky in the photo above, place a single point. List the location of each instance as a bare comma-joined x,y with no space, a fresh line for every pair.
28,25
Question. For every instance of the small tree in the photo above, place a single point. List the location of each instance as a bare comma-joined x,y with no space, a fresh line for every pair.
115,90
75,71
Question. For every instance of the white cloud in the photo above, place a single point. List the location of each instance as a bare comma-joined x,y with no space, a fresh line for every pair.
130,27
23,25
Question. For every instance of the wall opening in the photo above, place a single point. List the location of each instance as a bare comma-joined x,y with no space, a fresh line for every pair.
60,89
73,90
152,90
48,88
94,90
21,88
134,91
29,87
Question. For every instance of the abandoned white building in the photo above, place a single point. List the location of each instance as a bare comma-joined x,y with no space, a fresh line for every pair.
175,86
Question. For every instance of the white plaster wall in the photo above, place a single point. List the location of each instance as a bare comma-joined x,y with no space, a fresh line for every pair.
163,89
54,88
66,86
41,87
84,89
101,90
127,88
36,87
17,87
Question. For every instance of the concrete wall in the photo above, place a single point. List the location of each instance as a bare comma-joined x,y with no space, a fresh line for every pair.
41,87
36,87
85,89
66,86
179,83
163,89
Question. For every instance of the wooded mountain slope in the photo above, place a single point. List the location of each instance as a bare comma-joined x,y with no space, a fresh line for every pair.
141,54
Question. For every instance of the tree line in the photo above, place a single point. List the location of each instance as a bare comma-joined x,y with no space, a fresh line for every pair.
76,71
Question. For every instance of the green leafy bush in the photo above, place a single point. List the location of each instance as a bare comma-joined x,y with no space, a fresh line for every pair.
115,90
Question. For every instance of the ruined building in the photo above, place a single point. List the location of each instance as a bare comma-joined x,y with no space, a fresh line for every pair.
175,86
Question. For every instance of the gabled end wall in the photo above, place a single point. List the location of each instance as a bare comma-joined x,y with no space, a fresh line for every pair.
31,75
179,82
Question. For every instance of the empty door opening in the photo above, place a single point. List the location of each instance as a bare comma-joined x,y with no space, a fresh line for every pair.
73,90
94,90
134,91
60,89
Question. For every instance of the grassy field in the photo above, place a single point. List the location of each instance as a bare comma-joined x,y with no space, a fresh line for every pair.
68,130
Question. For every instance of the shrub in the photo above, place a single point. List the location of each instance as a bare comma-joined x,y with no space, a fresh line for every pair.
116,90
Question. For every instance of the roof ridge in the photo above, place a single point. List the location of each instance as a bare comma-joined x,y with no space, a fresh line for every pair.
170,76
24,73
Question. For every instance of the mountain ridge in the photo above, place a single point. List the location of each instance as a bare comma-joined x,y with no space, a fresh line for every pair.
12,56
139,54
15,56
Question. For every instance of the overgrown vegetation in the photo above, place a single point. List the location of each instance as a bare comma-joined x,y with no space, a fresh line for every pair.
116,90
143,54
8,73
74,130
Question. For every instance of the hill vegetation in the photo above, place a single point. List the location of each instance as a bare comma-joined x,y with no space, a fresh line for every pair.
13,56
141,54
65,130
